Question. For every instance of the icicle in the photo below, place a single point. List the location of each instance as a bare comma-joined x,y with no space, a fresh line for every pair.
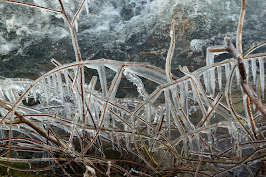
102,78
118,141
237,76
2,110
197,98
113,132
209,136
49,82
2,96
238,150
211,73
182,95
190,141
254,69
246,108
236,72
68,110
75,78
15,94
87,7
29,163
91,88
80,107
246,63
212,78
9,96
76,24
206,80
67,80
262,76
34,93
186,97
227,71
196,136
185,148
45,91
232,64
12,93
27,97
167,110
194,93
126,136
112,140
60,85
54,80
148,116
178,108
257,91
219,70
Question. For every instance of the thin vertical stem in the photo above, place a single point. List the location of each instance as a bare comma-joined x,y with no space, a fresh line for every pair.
240,28
170,53
72,32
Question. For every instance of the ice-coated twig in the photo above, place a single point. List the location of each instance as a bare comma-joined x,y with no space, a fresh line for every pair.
75,18
31,124
247,89
170,52
72,32
31,5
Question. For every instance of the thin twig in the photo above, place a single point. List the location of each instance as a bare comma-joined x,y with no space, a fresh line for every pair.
32,5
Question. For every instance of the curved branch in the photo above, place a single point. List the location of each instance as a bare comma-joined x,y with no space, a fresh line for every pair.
31,5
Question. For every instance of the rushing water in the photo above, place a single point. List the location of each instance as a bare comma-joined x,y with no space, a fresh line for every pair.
119,29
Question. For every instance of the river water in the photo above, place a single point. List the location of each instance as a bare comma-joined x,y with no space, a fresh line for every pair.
120,29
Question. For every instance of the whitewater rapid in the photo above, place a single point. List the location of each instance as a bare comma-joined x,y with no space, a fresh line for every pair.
119,29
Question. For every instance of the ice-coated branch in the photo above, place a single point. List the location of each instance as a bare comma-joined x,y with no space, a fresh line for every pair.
41,131
243,75
72,32
240,27
31,5
84,3
170,53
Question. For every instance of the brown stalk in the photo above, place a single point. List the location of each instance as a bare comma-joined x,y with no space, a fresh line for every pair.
247,89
